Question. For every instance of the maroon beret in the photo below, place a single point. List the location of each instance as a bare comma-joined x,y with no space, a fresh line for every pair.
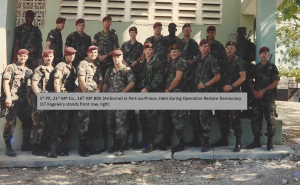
60,20
29,13
133,28
203,41
79,21
157,24
174,47
264,49
23,51
47,52
172,24
92,48
186,25
148,45
117,52
211,28
230,43
106,18
69,51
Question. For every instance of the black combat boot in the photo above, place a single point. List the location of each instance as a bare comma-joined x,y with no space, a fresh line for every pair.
26,146
142,144
9,151
196,142
255,143
238,144
114,147
119,148
38,150
163,144
179,147
270,146
149,148
223,141
62,150
83,149
205,147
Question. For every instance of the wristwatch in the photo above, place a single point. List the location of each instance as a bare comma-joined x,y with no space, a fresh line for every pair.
205,85
232,86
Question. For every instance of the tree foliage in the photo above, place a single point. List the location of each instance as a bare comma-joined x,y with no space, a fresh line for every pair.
290,72
288,31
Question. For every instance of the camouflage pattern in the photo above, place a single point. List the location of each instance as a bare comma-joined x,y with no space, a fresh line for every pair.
264,76
84,122
67,76
30,39
131,52
204,123
106,44
80,43
223,118
178,119
178,64
43,72
217,50
149,124
54,36
160,46
175,40
116,120
189,50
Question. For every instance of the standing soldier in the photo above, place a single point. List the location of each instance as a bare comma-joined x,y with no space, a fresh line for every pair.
216,48
264,89
64,81
118,79
28,37
16,77
90,80
107,42
207,74
151,78
54,40
233,75
43,120
172,38
79,41
176,82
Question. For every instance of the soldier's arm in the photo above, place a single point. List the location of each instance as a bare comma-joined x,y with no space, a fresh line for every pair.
128,87
7,92
158,74
275,77
40,53
15,51
83,86
48,44
175,81
100,82
104,88
212,81
239,81
255,93
56,84
35,87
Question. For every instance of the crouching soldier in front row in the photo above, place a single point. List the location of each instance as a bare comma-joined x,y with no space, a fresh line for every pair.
118,79
16,78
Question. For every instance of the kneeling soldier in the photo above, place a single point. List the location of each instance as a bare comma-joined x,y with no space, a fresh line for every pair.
118,79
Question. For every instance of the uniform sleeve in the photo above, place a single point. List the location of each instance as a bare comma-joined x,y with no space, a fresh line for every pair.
252,72
181,65
39,35
106,77
17,33
275,73
37,75
95,40
157,76
123,47
89,41
116,41
140,49
215,66
69,40
58,71
241,65
51,36
130,75
196,51
8,72
82,67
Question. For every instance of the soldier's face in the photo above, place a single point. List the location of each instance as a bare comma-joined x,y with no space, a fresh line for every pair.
204,49
211,34
264,56
175,54
22,58
60,26
106,24
118,59
187,31
29,19
148,52
172,30
132,34
93,54
80,27
48,59
230,50
70,58
157,30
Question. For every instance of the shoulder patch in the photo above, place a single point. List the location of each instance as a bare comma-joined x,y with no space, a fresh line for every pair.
51,36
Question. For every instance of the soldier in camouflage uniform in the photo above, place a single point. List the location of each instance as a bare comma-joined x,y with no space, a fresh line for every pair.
107,42
264,89
216,48
54,41
90,80
151,77
118,79
176,82
233,75
172,38
28,37
206,75
16,77
64,81
80,41
43,120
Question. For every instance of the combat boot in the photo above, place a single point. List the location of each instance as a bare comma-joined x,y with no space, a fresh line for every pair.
163,144
179,147
38,150
114,147
62,150
142,144
205,147
26,146
196,142
222,141
119,148
270,146
149,148
238,144
255,143
9,151
83,150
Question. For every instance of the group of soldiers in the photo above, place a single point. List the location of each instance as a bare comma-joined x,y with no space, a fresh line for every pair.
162,64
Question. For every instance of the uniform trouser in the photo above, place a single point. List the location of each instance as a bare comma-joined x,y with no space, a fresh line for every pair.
178,118
62,121
21,109
84,122
204,123
223,118
116,120
167,125
149,124
194,119
267,108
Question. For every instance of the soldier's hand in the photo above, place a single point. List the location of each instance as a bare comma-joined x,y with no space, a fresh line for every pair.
102,58
166,70
8,102
189,61
227,88
256,95
201,86
144,90
261,93
167,91
133,64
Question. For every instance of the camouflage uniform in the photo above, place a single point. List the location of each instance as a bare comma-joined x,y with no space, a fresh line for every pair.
42,118
178,116
175,40
264,76
116,81
30,39
106,44
80,43
92,76
161,46
20,106
206,69
229,75
54,36
151,78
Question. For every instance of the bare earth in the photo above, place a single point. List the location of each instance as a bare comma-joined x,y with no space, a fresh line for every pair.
284,170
